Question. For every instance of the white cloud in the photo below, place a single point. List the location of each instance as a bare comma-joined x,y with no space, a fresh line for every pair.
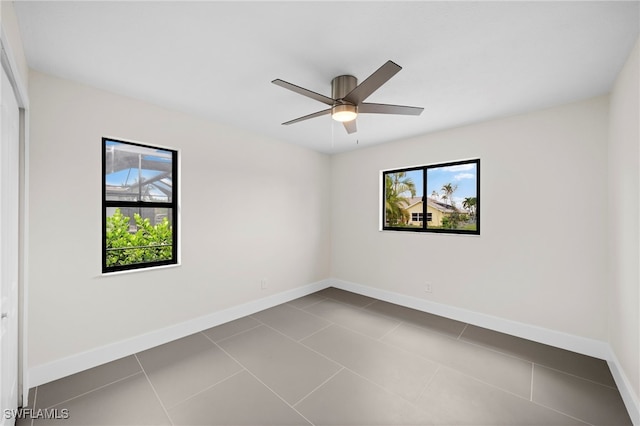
461,176
460,167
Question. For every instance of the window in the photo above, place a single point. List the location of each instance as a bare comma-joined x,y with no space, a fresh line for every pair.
139,206
447,194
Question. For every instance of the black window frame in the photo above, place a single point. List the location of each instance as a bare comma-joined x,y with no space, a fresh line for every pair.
424,228
171,205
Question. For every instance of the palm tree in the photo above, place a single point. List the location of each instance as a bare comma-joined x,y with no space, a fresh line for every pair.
469,204
398,187
448,189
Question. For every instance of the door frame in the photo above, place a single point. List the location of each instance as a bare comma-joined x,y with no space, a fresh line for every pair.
10,66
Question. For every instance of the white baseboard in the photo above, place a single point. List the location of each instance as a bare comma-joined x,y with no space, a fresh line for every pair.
591,347
54,370
57,369
631,400
582,345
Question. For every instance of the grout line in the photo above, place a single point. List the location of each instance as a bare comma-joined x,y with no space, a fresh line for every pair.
380,339
429,330
336,363
93,390
499,350
304,345
455,369
315,332
264,384
494,349
367,311
385,389
35,396
439,366
368,304
318,387
492,385
35,400
153,388
302,308
242,370
279,332
234,334
426,385
564,414
579,377
316,315
462,332
533,366
351,305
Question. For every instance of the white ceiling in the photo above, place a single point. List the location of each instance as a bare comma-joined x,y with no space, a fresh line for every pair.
463,62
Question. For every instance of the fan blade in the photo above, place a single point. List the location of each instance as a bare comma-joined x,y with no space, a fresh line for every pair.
306,117
304,92
350,126
388,109
372,83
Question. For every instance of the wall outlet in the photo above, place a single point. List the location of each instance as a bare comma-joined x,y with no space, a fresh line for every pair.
263,284
428,288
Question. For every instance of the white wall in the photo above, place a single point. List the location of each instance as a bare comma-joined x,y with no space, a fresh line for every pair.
251,208
18,71
624,220
14,39
560,229
541,256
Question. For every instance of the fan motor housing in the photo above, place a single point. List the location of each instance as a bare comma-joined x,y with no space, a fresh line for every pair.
342,85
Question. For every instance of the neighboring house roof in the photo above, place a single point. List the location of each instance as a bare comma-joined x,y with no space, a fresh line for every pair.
438,205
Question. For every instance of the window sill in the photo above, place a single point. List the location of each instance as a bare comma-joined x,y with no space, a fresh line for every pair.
138,270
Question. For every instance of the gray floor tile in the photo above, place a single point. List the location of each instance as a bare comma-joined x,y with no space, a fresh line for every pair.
69,387
418,318
185,367
239,400
130,401
303,302
337,358
506,372
457,399
584,366
401,372
360,320
288,368
588,401
348,399
231,328
23,421
346,297
291,321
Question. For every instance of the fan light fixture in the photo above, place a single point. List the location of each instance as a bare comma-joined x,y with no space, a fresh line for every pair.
347,97
344,113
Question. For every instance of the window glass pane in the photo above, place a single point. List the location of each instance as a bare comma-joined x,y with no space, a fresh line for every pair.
452,197
137,173
138,235
403,191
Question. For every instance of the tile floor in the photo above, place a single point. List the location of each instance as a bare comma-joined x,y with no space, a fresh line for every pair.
337,358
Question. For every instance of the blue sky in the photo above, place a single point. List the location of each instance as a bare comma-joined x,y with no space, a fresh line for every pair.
130,176
463,175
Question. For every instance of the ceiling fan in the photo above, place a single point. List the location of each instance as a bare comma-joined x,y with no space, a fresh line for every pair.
347,97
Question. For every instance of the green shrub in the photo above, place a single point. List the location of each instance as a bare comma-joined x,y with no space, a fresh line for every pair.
148,243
